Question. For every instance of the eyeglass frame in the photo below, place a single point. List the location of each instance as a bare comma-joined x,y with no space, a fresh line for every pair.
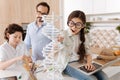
39,12
75,24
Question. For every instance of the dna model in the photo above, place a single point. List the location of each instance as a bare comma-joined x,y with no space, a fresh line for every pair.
51,51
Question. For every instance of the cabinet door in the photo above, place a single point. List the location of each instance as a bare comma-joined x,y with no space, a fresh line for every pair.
86,6
10,11
99,6
113,6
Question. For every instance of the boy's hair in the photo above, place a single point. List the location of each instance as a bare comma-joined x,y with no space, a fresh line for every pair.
12,28
43,4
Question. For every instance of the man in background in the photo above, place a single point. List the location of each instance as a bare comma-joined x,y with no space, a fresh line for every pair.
34,38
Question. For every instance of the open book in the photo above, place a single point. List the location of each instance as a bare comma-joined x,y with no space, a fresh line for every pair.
98,66
9,74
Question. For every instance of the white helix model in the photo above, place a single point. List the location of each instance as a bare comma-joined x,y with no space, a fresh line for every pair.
51,51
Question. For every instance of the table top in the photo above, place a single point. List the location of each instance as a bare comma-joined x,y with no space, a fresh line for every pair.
16,72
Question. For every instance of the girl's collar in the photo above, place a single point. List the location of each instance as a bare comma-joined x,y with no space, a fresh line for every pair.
70,33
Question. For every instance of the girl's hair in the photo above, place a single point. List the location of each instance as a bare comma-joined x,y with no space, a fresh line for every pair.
81,49
12,28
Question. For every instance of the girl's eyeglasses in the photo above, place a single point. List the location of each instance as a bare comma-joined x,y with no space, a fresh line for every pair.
77,25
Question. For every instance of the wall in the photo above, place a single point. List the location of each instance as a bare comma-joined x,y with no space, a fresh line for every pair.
21,11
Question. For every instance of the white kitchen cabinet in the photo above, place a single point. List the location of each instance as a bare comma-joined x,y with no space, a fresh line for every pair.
99,6
112,6
105,6
86,6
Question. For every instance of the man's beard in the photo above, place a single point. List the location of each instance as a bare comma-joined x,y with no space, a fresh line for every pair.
40,19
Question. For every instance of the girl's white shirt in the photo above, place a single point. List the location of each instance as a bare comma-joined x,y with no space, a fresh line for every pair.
8,52
74,42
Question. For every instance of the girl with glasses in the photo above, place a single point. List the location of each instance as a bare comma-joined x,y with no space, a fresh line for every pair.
79,52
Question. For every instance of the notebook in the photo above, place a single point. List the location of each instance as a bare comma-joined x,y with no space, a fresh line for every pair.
98,66
7,74
9,78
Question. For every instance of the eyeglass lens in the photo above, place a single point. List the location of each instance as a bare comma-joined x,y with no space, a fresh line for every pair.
77,25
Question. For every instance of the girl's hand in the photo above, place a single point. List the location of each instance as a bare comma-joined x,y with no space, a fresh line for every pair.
27,62
90,67
60,38
27,59
24,58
